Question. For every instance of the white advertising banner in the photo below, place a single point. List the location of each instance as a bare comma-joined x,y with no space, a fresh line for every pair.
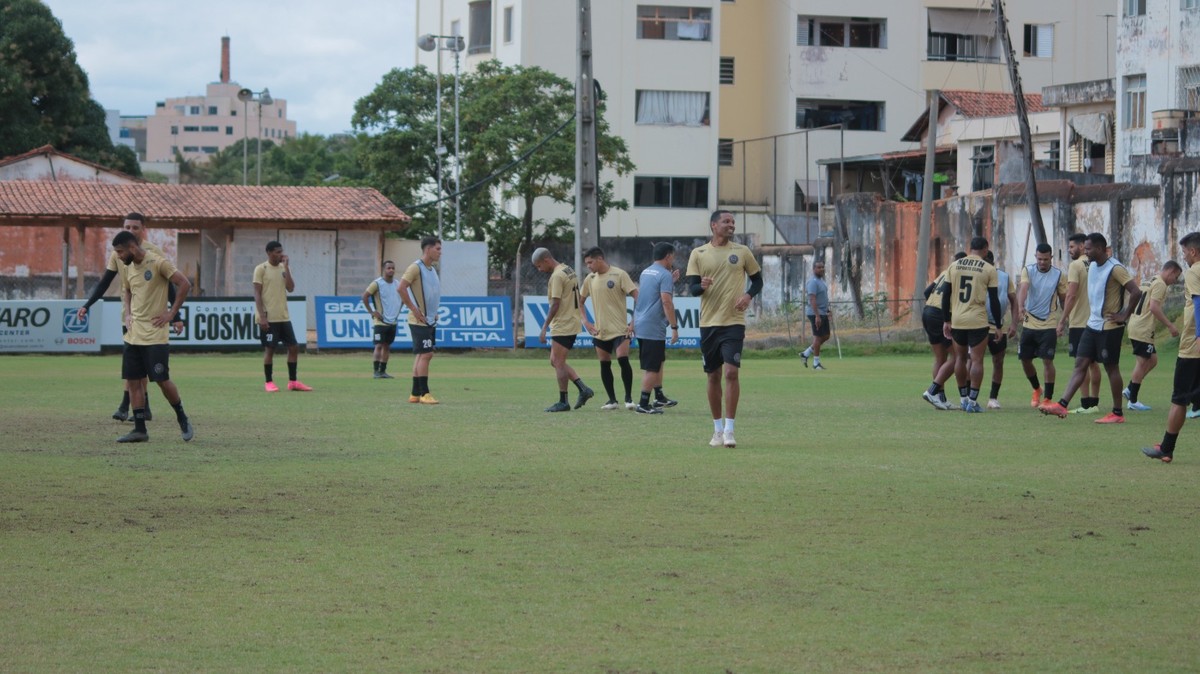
47,325
211,322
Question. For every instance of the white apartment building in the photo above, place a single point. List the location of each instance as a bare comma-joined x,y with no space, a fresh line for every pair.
1157,79
657,61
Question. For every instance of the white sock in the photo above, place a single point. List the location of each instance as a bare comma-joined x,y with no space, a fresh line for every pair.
718,425
729,425
807,352
817,360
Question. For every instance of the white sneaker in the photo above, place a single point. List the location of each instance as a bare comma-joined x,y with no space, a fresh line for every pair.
729,441
630,405
718,439
993,404
610,405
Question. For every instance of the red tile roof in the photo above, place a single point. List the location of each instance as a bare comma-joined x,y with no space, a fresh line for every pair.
974,104
30,203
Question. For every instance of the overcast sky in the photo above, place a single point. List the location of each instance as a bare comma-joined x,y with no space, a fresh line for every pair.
319,55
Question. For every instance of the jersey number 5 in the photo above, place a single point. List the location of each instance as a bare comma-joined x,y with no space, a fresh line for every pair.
964,289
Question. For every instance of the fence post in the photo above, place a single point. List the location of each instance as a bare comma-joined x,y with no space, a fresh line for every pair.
878,326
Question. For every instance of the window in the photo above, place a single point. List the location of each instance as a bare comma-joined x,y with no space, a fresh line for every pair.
726,70
656,22
856,115
174,131
210,129
210,149
194,110
725,152
189,129
1135,7
1135,102
962,35
480,16
212,109
125,133
983,167
233,113
854,32
229,131
672,108
508,25
670,192
952,47
181,109
1189,88
456,28
1039,40
1190,4
191,148
1054,153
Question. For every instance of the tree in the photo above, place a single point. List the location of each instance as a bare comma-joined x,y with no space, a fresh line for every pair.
44,98
307,159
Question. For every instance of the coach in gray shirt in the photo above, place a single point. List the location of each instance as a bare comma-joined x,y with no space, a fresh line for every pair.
817,309
653,313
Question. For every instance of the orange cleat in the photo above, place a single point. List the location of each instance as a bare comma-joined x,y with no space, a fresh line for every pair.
1111,418
298,386
1036,399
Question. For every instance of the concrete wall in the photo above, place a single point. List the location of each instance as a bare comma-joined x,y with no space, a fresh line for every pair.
357,260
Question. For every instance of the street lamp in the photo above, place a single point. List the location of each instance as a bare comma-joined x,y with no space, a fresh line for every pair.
261,98
456,44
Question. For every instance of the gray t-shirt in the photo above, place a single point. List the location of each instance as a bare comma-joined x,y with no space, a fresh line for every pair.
816,286
648,319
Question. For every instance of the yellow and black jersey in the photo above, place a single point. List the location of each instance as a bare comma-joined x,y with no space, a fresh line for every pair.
968,281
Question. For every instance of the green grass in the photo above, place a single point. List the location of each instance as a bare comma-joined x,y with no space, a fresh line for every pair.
853,529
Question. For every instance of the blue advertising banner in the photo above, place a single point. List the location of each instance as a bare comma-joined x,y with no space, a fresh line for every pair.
462,323
687,313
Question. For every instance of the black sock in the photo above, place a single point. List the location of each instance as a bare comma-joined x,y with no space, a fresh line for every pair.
179,414
973,393
626,376
995,390
1048,391
658,393
1168,443
1117,411
1033,381
606,378
376,364
139,419
933,389
416,387
125,402
268,370
1133,391
962,391
291,371
579,384
645,401
423,383
383,366
1196,406
562,396
1091,402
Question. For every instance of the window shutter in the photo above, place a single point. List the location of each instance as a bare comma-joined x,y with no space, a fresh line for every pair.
1045,41
804,31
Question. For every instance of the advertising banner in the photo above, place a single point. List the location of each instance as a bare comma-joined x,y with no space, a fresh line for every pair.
462,323
687,313
47,326
210,322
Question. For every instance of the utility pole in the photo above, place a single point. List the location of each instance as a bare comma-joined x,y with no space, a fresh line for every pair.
1031,195
587,232
935,97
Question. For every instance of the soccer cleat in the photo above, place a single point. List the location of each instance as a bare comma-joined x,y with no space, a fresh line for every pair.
271,387
647,410
134,436
664,403
121,414
972,407
559,407
1054,408
187,430
377,375
630,405
1193,414
1036,398
414,399
943,404
1111,418
729,441
804,357
718,439
1125,393
428,399
1086,410
993,404
1156,452
1138,406
384,375
585,394
933,400
611,405
818,366
298,386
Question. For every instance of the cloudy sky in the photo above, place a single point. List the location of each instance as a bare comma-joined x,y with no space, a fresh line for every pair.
319,55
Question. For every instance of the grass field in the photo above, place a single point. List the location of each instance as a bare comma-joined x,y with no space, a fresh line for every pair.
854,528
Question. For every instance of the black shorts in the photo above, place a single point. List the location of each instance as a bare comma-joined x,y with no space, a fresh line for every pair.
424,338
932,321
1073,337
721,345
1187,381
997,345
1143,349
822,331
652,353
385,334
971,337
1037,344
609,345
1101,346
278,334
566,342
152,361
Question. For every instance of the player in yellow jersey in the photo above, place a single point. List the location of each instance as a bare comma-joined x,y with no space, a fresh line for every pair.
1074,319
608,286
563,322
1141,330
272,282
933,320
1187,367
971,290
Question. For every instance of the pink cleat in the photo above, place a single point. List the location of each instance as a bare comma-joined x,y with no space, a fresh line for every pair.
298,386
271,387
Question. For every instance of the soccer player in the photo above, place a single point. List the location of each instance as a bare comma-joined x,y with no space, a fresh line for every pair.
136,223
563,322
998,340
144,283
971,289
1075,316
817,311
653,311
1187,366
384,293
933,320
272,282
1040,299
1141,330
421,290
717,273
608,286
1107,283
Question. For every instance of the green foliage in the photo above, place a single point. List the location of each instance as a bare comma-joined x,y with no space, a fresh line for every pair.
308,159
44,97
